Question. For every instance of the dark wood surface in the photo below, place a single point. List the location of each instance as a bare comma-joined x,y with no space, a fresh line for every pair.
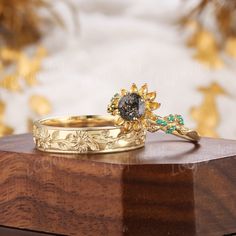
170,187
10,231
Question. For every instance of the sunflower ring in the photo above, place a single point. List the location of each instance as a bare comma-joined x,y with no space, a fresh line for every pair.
134,111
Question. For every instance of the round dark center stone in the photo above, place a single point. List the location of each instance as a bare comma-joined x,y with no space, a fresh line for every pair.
131,106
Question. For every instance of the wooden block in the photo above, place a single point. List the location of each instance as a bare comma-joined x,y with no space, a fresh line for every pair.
170,187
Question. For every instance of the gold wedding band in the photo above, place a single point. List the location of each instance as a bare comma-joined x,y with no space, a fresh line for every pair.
84,134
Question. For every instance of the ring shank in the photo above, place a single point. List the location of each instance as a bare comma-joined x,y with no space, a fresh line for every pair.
191,135
180,131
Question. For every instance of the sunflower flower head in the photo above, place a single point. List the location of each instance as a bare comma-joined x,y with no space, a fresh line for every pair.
134,108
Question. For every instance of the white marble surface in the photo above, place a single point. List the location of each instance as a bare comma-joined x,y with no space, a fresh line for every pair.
118,43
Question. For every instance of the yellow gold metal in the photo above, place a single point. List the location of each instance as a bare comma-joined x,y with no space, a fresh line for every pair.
181,131
137,124
151,96
130,118
84,134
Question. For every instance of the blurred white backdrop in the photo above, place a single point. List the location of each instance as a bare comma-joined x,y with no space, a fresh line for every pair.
118,43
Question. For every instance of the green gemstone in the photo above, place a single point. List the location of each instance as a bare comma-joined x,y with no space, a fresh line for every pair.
171,118
164,123
171,129
161,122
180,119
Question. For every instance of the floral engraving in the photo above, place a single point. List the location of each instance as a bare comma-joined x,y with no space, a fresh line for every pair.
42,137
84,141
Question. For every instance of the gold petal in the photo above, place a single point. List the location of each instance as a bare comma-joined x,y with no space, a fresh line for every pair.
151,96
123,92
153,117
153,105
115,112
115,102
128,125
144,122
143,90
109,109
150,115
119,121
134,88
137,126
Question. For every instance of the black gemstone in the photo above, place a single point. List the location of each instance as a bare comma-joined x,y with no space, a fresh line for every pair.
131,106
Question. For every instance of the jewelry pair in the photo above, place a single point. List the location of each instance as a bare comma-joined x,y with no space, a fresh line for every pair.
132,115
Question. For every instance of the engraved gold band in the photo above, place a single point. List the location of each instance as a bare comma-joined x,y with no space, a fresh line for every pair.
84,134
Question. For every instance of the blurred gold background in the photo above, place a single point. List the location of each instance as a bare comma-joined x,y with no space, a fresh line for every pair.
55,54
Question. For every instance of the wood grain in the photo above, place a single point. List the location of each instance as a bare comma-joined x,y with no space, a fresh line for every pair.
171,187
9,231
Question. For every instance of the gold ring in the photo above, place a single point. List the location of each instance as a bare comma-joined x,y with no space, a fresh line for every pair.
84,134
134,111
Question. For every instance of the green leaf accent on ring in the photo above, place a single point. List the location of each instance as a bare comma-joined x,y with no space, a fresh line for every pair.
180,119
171,129
171,118
161,122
